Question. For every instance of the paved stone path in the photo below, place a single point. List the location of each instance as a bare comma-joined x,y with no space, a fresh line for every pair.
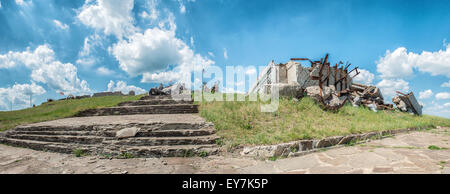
404,153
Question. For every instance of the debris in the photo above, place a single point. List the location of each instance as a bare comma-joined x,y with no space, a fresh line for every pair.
407,103
331,86
127,132
157,91
368,96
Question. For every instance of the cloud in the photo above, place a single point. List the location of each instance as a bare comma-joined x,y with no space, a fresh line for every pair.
19,95
105,71
437,109
124,88
24,2
364,77
46,69
446,84
113,17
155,53
61,25
211,54
443,96
390,86
447,104
251,71
425,94
400,63
225,54
85,56
152,14
150,54
182,8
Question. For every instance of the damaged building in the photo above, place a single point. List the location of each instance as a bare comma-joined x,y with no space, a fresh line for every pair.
331,85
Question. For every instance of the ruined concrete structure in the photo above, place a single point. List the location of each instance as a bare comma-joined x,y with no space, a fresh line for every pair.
326,83
293,76
332,86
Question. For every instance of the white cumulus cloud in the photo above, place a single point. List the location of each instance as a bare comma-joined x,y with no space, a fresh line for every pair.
443,96
18,96
390,86
46,69
113,17
425,94
446,84
151,53
123,87
364,77
401,64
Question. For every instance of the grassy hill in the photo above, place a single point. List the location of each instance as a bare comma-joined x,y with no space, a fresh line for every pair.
57,110
242,123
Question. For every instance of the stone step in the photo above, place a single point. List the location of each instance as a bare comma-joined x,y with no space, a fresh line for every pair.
60,138
135,151
148,109
171,151
167,97
152,133
160,141
109,128
154,102
136,141
46,146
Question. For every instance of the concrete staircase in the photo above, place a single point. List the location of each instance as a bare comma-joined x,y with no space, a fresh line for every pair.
159,135
146,105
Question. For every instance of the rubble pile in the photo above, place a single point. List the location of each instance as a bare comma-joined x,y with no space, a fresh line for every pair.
407,103
368,96
332,86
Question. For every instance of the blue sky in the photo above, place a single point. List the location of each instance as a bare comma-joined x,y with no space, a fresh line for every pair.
81,47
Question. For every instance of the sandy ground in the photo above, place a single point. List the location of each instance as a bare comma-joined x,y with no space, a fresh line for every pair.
404,153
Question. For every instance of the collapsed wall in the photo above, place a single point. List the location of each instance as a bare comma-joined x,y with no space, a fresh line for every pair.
320,80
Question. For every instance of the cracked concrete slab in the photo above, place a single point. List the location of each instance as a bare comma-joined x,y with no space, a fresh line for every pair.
403,153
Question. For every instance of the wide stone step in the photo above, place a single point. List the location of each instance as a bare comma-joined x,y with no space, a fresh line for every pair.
111,128
65,133
159,141
137,141
60,138
148,109
154,102
165,97
152,133
177,133
134,151
171,151
46,146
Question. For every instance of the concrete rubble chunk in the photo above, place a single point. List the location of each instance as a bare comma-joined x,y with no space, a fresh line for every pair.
127,132
407,103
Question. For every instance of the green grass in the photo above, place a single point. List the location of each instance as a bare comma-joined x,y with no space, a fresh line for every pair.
79,153
242,123
57,109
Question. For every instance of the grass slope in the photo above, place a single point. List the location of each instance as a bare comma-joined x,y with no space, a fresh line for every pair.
57,110
242,123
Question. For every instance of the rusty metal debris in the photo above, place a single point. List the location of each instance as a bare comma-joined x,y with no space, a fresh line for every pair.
368,96
330,85
335,78
407,103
